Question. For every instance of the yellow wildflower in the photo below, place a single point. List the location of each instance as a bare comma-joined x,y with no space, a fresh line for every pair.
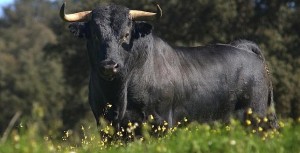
165,123
109,105
258,120
265,119
151,117
249,111
281,124
248,122
260,129
185,119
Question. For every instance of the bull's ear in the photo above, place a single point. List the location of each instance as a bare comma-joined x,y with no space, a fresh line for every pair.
143,28
78,29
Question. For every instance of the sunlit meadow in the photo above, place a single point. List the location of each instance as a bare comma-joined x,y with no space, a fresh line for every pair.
198,138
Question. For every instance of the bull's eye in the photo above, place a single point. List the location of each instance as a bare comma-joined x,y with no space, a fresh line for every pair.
124,38
126,35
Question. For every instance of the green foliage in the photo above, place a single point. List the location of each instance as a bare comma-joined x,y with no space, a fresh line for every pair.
193,138
30,82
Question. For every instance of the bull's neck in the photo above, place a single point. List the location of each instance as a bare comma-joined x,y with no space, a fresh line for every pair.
146,48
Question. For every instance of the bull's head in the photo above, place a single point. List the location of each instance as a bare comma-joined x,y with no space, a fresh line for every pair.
109,31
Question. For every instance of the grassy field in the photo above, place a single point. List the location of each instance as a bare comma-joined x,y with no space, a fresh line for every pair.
195,138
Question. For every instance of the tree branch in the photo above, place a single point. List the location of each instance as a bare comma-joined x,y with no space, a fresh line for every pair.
10,126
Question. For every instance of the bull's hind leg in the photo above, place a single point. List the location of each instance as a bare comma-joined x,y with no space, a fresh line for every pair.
257,109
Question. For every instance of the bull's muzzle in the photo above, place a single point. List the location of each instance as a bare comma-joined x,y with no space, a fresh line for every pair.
109,69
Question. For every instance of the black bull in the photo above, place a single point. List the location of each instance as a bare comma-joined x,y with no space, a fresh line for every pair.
139,74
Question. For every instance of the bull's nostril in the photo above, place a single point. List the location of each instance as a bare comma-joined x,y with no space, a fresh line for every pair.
116,66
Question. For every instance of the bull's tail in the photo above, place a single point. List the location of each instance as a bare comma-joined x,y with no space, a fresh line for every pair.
252,47
271,114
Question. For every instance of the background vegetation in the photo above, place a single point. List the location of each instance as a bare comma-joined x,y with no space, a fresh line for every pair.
44,69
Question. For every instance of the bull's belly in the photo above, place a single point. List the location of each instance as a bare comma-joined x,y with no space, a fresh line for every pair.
205,109
208,113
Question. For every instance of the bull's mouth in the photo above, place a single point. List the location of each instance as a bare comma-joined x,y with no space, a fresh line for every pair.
108,77
109,73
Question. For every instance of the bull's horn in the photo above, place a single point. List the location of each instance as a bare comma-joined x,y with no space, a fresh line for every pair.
75,17
138,15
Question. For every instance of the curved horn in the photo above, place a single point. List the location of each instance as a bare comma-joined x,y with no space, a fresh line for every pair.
75,17
138,15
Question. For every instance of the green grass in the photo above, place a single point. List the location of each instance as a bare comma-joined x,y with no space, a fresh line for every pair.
195,138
